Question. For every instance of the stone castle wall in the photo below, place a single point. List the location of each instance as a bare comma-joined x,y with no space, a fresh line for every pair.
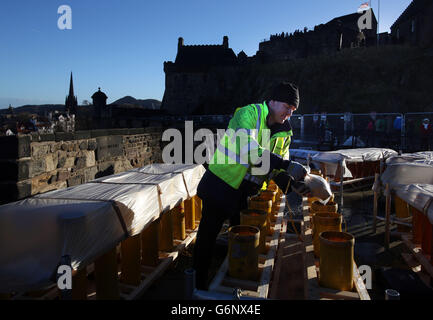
32,164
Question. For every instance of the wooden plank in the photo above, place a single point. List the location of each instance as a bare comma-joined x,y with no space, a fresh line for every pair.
348,182
288,279
417,252
342,295
269,264
387,215
311,281
359,284
376,197
416,267
278,266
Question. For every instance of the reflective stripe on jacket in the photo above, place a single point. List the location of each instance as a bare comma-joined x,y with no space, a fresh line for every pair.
242,144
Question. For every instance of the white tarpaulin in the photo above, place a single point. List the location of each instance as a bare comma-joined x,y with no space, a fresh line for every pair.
36,233
419,196
85,221
354,155
418,157
191,173
138,203
414,168
301,155
331,159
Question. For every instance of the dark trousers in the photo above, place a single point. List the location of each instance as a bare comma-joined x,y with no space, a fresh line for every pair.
219,203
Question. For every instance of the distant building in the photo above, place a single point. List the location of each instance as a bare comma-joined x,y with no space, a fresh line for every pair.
193,74
71,100
415,24
100,102
341,32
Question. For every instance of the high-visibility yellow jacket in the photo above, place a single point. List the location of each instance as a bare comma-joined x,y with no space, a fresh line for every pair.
242,145
281,137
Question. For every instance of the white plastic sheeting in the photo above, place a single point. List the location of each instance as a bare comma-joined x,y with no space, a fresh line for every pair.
331,159
419,196
410,175
354,155
85,221
138,203
414,168
36,233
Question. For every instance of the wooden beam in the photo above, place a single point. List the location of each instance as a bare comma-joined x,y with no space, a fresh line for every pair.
387,215
376,198
417,252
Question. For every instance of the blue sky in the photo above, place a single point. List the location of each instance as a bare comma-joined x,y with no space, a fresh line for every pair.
121,45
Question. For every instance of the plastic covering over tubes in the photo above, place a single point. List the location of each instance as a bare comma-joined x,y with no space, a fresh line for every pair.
85,221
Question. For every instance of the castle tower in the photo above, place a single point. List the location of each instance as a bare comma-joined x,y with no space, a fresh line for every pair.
100,103
71,100
226,42
179,44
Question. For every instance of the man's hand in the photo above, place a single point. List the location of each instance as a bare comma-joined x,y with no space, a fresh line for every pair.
296,170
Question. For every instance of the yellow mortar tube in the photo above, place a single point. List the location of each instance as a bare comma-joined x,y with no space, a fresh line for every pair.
166,232
130,261
178,218
198,207
149,244
336,260
190,213
107,286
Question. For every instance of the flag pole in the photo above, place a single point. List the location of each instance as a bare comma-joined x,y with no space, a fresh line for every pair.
378,20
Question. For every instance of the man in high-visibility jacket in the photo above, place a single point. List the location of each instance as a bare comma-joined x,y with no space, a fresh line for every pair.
241,163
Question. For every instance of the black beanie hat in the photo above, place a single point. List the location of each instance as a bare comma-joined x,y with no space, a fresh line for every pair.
286,92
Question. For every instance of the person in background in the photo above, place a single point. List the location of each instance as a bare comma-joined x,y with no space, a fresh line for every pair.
370,133
380,132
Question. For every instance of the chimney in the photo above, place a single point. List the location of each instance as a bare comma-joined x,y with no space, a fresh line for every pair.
226,42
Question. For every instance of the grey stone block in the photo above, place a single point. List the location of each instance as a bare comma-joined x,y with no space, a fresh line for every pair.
61,162
36,167
84,145
75,181
80,162
92,145
109,147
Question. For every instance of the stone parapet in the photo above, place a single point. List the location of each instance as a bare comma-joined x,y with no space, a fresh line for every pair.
33,164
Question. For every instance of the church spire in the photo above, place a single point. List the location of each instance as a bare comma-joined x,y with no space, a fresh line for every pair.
71,100
71,87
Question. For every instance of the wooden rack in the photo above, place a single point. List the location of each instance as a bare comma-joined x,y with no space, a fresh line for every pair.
313,291
127,270
225,284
